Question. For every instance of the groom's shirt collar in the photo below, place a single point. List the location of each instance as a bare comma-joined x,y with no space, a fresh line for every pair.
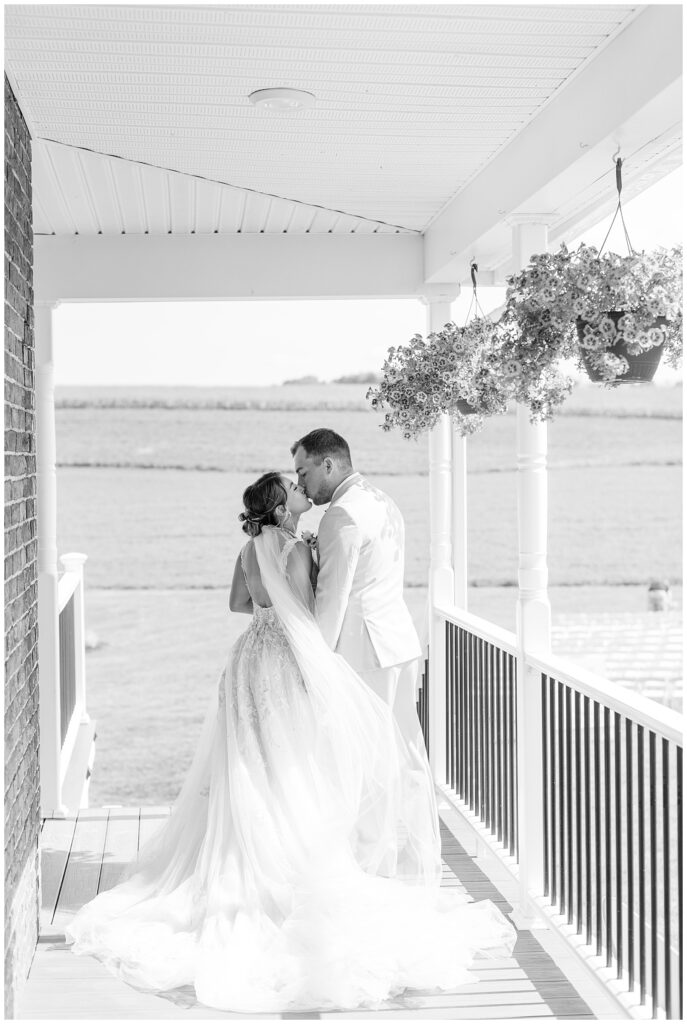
354,478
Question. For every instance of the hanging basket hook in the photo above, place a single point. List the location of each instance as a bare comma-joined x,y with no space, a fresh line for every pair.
617,160
474,301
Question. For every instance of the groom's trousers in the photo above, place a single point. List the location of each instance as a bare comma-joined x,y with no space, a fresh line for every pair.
397,685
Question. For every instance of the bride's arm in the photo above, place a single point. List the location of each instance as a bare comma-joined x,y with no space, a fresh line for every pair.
240,599
299,569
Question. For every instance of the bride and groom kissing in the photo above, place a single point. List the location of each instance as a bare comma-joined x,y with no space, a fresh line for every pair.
300,867
358,566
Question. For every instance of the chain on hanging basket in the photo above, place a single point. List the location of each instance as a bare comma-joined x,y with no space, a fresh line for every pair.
462,405
614,314
450,372
484,391
621,344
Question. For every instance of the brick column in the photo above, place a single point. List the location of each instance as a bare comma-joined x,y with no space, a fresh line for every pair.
22,815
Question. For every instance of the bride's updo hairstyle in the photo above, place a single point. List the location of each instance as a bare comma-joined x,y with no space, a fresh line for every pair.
261,500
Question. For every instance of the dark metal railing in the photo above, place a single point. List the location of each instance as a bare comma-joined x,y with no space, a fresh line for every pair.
423,702
481,734
604,797
612,799
67,667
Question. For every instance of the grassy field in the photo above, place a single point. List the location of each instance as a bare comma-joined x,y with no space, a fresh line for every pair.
159,656
586,399
153,495
149,487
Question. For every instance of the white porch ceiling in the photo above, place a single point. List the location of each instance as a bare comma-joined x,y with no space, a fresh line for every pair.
141,119
79,192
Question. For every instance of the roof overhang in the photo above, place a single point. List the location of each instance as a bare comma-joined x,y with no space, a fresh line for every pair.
126,229
628,101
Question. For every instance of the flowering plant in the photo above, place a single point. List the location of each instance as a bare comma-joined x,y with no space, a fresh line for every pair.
580,304
455,371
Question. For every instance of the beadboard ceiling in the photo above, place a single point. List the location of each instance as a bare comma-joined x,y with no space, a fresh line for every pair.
141,120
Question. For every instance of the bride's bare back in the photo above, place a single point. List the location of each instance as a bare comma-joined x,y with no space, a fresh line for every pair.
251,571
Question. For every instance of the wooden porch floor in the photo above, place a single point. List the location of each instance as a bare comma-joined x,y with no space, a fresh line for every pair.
83,855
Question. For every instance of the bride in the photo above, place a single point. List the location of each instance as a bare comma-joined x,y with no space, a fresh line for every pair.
300,866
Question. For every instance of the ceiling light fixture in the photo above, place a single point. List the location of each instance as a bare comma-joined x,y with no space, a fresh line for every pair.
282,99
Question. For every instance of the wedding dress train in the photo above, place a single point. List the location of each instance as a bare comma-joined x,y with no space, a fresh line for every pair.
300,867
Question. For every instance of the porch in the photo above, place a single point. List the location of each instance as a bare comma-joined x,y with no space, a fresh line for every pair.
83,853
151,183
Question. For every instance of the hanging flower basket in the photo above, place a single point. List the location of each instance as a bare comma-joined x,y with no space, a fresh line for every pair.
557,309
620,358
450,372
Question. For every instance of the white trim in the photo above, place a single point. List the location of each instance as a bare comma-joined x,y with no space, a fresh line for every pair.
573,137
482,628
78,772
580,69
219,267
66,587
649,713
667,723
67,751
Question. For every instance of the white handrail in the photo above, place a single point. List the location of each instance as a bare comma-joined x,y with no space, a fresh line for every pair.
482,628
641,713
648,713
66,586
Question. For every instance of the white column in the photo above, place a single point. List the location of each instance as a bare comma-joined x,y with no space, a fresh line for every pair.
48,615
533,618
460,521
441,587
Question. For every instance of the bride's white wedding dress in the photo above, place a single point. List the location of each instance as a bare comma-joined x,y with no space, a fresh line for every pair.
300,867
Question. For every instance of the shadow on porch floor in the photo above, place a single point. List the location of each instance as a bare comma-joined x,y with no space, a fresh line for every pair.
84,854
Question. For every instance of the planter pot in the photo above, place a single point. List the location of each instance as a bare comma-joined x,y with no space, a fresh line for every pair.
642,367
465,408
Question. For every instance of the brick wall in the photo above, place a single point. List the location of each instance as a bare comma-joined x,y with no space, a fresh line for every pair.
22,814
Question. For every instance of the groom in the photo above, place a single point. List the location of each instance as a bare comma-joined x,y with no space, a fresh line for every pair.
359,599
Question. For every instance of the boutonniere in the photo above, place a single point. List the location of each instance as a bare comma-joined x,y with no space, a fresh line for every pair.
310,539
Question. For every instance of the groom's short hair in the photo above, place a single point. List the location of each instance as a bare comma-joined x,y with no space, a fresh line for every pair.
323,442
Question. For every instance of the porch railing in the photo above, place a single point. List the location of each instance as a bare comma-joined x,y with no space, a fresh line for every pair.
613,828
67,667
77,731
481,734
423,704
610,803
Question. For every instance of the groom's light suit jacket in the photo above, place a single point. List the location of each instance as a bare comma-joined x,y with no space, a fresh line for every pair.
359,598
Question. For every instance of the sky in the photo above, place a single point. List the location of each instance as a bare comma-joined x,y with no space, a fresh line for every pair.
260,343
